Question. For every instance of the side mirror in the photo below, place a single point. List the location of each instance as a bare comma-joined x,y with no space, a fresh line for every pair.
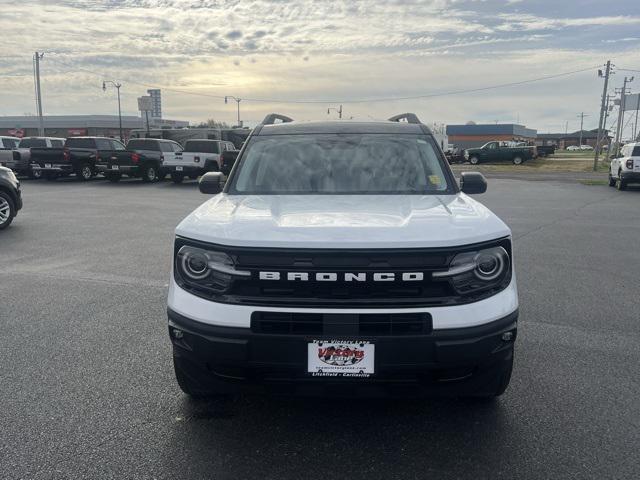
210,183
473,182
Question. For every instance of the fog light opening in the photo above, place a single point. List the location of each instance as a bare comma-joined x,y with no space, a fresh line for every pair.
507,336
178,334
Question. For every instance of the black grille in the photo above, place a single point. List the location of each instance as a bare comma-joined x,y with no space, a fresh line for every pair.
369,324
313,293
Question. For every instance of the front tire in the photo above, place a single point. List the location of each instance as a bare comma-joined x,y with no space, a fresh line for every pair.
620,184
35,174
517,160
7,210
187,381
474,160
612,181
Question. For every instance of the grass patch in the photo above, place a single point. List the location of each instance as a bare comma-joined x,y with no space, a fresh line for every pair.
594,182
540,165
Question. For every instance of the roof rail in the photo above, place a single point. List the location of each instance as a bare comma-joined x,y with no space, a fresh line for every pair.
409,117
272,117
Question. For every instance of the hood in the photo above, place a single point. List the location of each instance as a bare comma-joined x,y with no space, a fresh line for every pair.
342,221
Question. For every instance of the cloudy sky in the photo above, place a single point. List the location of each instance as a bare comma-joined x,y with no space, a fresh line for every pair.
278,54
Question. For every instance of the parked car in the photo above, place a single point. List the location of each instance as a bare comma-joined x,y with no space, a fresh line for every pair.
343,255
573,148
10,197
21,163
198,157
585,147
228,160
545,150
625,168
79,156
495,152
7,147
143,158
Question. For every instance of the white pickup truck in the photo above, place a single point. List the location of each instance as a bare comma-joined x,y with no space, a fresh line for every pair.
198,157
625,168
341,257
19,158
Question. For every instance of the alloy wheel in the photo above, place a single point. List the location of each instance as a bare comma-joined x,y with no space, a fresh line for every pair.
5,211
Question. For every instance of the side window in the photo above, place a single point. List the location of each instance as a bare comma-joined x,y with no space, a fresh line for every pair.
57,143
116,145
103,144
165,147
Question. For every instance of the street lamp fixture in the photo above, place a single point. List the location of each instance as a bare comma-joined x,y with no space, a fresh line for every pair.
117,86
238,100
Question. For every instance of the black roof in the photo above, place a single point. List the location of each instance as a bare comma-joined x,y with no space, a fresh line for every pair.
344,126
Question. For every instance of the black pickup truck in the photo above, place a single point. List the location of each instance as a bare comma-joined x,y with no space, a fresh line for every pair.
79,156
144,158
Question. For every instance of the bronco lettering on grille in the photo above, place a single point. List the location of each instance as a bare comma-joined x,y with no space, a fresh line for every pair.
345,277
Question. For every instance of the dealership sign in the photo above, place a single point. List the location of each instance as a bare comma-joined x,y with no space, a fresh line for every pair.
16,132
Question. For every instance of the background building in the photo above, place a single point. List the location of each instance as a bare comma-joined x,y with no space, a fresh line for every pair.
476,135
75,125
564,140
156,104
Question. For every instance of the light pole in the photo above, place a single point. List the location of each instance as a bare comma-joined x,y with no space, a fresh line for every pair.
238,100
117,85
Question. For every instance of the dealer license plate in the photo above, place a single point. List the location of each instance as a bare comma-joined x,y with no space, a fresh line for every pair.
115,167
178,169
341,358
47,165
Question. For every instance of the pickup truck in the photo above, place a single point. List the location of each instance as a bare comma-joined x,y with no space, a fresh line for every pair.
79,156
495,152
625,168
342,259
198,157
21,163
143,159
228,160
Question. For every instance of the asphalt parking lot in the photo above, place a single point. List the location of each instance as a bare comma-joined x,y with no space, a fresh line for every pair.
88,388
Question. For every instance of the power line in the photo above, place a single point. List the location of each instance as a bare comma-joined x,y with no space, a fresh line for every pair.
370,100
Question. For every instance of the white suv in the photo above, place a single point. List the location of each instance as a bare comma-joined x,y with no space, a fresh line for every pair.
625,168
343,256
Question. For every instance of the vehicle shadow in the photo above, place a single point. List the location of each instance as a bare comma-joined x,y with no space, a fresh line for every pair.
250,437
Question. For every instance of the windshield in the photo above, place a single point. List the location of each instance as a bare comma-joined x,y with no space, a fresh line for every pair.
201,146
340,164
33,142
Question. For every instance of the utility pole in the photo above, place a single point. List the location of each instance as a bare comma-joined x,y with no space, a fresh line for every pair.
602,113
238,100
117,85
635,124
339,110
37,58
582,115
623,94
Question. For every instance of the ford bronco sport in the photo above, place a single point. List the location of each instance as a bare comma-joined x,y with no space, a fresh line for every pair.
343,257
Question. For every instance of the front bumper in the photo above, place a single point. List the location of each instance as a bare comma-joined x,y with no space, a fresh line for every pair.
452,362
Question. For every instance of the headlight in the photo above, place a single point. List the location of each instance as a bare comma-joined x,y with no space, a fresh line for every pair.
205,269
9,174
479,270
